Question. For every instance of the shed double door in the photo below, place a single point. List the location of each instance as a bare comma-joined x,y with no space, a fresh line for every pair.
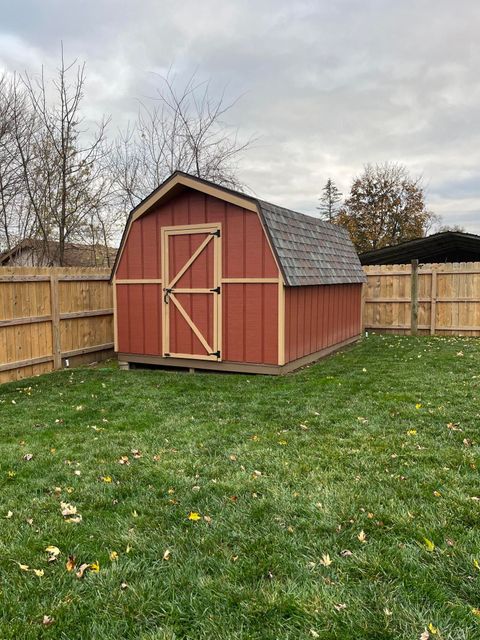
191,301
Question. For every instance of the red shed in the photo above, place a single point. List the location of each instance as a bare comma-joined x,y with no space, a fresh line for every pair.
211,278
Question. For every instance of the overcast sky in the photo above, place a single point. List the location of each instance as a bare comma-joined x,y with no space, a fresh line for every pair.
326,86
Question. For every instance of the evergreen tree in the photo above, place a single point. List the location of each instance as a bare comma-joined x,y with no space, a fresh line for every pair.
329,201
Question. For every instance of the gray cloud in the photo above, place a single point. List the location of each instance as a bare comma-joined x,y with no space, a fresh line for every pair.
327,86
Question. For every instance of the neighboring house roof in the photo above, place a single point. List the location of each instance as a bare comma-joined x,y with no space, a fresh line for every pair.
75,254
309,251
447,246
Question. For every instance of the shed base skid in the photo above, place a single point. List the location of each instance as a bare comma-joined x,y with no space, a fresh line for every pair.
238,367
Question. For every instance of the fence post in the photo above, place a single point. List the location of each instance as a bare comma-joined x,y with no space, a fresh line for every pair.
55,308
414,299
433,302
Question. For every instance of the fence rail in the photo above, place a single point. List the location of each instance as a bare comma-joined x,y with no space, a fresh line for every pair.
436,299
50,314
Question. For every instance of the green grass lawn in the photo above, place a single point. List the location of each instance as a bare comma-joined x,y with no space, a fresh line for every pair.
340,502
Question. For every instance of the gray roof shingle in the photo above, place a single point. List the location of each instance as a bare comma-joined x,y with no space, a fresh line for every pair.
310,251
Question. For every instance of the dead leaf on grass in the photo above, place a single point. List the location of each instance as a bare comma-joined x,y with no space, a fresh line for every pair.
362,536
326,561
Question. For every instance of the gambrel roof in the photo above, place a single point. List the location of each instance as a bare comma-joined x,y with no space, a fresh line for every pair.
309,251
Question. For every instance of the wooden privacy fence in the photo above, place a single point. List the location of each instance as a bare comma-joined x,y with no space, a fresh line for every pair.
442,299
48,315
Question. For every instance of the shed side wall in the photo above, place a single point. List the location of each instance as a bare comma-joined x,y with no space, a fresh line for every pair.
317,317
249,310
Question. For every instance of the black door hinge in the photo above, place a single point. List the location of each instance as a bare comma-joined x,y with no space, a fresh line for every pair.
166,355
215,353
215,233
216,290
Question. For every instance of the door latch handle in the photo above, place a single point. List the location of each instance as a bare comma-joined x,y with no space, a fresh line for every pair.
167,294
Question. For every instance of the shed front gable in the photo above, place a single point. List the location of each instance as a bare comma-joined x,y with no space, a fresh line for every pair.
246,251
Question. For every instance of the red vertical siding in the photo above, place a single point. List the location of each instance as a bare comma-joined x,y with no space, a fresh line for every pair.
317,317
249,311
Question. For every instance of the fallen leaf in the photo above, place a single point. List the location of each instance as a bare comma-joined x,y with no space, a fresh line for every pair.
123,586
95,567
429,545
107,479
27,457
418,405
53,553
81,570
113,556
326,560
346,553
362,536
128,548
433,630
476,565
340,606
23,567
47,620
314,634
453,426
136,453
68,509
39,572
412,432
166,554
9,515
193,515
70,564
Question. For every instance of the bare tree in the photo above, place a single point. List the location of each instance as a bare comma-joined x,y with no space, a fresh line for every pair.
182,128
63,172
15,215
